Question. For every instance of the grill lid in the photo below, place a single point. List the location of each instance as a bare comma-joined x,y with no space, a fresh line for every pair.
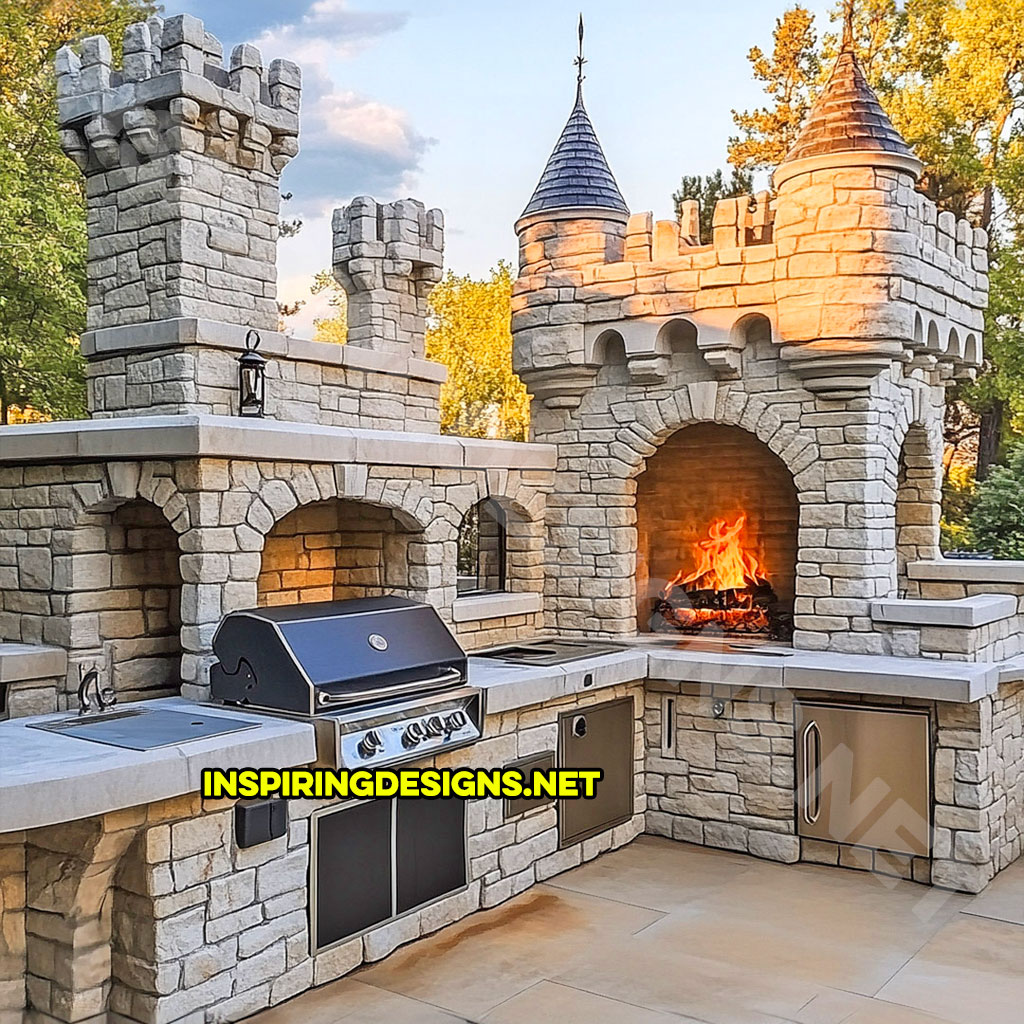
309,657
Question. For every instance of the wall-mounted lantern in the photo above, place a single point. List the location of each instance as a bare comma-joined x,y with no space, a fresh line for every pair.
252,378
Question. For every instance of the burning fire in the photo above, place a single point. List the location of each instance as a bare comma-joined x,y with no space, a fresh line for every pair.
723,589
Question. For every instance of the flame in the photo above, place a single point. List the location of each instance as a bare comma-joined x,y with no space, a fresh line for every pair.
731,572
722,561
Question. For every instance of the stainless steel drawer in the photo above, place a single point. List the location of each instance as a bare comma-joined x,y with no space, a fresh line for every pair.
863,776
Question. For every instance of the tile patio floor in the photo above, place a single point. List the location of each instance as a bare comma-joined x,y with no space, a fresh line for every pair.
663,932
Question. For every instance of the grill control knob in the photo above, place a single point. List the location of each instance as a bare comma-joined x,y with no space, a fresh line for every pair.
456,720
413,734
370,743
435,727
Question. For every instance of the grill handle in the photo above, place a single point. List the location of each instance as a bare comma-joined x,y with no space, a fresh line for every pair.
452,675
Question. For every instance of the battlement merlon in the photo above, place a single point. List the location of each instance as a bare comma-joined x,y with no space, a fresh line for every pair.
172,94
854,270
388,257
182,158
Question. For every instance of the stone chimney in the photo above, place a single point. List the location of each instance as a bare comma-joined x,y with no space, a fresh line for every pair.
182,158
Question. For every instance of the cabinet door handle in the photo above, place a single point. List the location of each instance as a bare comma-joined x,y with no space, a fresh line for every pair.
812,782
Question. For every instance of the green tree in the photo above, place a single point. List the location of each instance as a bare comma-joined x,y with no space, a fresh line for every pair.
997,521
470,334
42,208
707,191
790,76
333,328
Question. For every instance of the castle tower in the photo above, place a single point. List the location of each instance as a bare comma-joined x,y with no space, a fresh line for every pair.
182,158
388,257
849,183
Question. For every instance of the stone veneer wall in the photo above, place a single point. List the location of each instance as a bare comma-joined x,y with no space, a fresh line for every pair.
200,926
730,782
334,550
479,633
221,511
843,458
317,388
12,928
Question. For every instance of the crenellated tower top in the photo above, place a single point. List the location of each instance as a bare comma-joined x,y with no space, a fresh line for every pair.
183,157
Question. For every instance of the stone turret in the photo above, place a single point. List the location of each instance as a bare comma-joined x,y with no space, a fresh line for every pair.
182,157
576,219
860,243
388,257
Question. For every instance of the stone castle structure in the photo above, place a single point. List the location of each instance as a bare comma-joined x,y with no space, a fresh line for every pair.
790,369
820,325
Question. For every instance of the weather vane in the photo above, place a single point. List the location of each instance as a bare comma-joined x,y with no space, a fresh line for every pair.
580,60
848,25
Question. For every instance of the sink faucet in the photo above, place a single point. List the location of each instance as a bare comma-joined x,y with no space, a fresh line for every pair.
105,698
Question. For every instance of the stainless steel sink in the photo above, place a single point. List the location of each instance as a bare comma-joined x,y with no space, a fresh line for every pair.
549,652
144,728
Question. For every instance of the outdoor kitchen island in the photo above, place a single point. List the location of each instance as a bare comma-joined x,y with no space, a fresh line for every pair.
732,493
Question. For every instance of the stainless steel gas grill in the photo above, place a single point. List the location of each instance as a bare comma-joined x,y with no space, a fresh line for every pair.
382,678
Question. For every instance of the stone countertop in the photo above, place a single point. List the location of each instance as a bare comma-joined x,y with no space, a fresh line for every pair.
46,777
513,686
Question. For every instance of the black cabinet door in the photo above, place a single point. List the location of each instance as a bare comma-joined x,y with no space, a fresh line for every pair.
352,866
430,850
597,737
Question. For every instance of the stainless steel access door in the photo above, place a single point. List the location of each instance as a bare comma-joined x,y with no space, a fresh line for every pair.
863,776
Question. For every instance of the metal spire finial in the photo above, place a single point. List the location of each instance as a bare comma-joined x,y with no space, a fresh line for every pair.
847,44
579,62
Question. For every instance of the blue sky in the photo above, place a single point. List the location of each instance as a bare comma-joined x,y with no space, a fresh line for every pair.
458,103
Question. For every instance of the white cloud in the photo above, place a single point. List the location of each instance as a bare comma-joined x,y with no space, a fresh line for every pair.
351,144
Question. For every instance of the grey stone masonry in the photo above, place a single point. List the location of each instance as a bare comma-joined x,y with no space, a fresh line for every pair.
182,157
387,256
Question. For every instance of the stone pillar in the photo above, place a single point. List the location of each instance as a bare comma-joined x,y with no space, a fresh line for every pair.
70,868
182,158
387,257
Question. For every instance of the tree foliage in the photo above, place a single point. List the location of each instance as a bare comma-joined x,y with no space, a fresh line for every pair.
997,520
42,208
707,191
333,328
789,76
470,334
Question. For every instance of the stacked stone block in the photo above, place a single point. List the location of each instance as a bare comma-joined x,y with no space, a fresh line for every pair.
182,158
65,550
727,781
387,257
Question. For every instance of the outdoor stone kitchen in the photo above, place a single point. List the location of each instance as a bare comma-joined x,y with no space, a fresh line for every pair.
713,573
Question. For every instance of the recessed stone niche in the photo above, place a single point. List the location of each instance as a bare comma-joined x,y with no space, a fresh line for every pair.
707,473
334,550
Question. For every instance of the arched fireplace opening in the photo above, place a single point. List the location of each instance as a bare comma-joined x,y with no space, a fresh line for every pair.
717,521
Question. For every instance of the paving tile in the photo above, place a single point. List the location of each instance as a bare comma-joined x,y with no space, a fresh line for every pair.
674,979
969,973
833,1007
1003,900
547,1001
349,1001
475,964
837,929
656,873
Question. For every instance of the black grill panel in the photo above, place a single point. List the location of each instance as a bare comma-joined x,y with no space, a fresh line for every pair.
312,658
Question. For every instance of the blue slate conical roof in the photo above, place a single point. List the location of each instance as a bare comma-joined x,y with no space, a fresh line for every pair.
577,174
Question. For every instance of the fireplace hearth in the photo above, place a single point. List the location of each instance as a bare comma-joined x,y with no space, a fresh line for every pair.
729,591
